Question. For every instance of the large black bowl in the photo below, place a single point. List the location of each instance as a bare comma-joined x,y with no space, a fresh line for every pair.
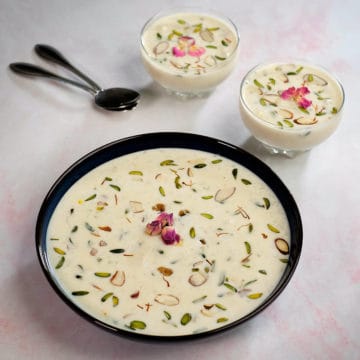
176,140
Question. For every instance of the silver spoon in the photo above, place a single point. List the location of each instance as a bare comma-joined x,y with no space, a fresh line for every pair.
115,99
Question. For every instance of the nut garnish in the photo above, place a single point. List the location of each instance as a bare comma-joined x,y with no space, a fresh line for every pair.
118,279
167,299
224,194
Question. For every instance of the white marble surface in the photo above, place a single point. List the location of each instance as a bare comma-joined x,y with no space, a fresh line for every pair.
46,127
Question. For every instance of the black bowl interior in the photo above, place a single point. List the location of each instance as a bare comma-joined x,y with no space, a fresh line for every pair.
175,140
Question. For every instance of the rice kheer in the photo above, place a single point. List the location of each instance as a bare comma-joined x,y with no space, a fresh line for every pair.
189,52
168,242
291,106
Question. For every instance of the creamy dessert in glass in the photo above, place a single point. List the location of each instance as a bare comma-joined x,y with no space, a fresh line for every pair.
290,106
189,51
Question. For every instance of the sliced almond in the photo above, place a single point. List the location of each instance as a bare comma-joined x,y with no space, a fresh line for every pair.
284,78
206,313
161,47
282,245
305,121
286,114
118,279
207,35
136,206
210,60
223,194
167,299
165,271
197,279
315,79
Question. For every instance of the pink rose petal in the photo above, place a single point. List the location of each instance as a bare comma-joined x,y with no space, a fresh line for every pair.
196,51
154,228
169,235
178,52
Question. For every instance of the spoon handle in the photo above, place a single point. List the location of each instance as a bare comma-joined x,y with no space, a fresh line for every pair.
49,53
33,70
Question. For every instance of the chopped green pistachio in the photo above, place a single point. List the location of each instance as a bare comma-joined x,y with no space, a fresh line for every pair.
185,319
60,263
93,196
273,228
234,173
181,22
199,166
263,272
115,301
115,187
247,247
106,296
258,83
334,110
288,123
159,36
230,287
161,191
222,319
59,251
192,232
202,298
102,274
246,181
211,46
255,296
137,325
216,161
136,172
167,315
207,197
220,306
177,182
207,216
220,58
117,251
80,293
167,163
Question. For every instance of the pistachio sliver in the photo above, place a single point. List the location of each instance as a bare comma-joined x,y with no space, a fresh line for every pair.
106,296
255,296
137,325
273,228
207,216
102,274
185,319
60,263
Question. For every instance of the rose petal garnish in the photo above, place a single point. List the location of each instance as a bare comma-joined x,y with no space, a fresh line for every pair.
169,235
165,219
298,95
196,51
154,228
178,52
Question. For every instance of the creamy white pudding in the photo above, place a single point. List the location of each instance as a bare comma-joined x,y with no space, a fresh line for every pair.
168,242
188,52
291,106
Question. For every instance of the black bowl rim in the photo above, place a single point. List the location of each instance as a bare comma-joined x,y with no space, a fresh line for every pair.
169,140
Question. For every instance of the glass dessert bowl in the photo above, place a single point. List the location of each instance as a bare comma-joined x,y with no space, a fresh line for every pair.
189,51
290,107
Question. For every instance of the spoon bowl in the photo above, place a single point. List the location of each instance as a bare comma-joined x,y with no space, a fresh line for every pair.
112,99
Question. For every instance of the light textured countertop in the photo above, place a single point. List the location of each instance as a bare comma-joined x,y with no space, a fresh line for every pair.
45,127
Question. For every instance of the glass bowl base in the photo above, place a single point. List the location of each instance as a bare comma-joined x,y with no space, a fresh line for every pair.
282,152
184,95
